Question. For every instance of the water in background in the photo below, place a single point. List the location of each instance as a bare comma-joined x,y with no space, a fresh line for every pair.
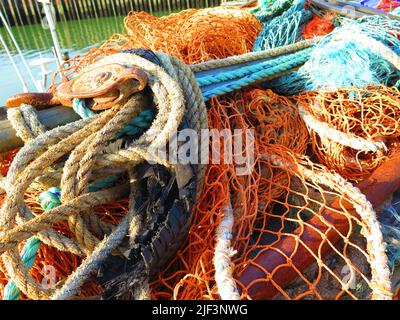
76,37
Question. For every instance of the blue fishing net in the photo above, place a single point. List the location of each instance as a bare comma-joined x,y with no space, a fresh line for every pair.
267,10
370,3
283,30
341,63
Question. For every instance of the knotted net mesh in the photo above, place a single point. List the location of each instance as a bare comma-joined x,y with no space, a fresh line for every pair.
289,225
300,230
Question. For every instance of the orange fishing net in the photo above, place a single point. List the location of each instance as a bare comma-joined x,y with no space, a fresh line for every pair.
49,259
277,201
371,113
271,204
195,36
319,26
65,263
296,233
6,160
191,35
190,275
388,5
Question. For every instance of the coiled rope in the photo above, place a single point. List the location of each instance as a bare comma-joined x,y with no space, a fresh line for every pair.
380,281
173,84
251,74
52,198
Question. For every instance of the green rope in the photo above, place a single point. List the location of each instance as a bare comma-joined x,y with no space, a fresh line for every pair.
283,30
52,198
138,124
263,71
28,256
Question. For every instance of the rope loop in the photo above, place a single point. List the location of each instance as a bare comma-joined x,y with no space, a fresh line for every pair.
116,140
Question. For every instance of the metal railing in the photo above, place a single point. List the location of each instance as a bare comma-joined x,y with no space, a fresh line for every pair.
19,12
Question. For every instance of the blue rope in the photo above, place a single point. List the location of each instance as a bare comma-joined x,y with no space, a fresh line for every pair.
139,124
249,70
80,108
48,200
276,66
28,255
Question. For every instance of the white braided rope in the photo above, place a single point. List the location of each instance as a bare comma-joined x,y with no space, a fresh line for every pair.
324,130
25,122
380,273
223,253
167,87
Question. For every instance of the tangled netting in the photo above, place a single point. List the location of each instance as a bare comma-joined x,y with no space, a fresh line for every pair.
278,209
191,35
289,26
55,265
388,5
268,9
318,26
284,29
288,227
352,129
62,263
195,36
358,53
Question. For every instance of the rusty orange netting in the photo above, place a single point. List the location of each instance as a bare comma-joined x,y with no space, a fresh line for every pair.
372,114
277,201
191,35
195,36
296,233
272,204
192,268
